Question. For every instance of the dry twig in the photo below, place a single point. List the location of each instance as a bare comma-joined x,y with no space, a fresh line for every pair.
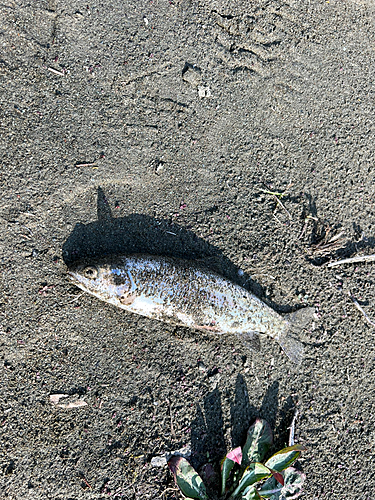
168,489
292,428
361,310
55,71
76,298
307,220
364,258
282,206
276,196
326,246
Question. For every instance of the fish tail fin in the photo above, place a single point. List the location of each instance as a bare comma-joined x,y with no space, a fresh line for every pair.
292,347
295,322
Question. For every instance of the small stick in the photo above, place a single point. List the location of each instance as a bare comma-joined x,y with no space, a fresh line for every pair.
309,217
364,258
52,70
171,417
165,491
303,229
337,237
85,164
360,309
279,202
76,298
274,193
278,220
28,229
85,481
292,428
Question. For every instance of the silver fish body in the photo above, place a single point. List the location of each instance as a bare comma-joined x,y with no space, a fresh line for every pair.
182,293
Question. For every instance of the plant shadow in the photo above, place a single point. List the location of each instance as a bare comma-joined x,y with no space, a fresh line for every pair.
208,443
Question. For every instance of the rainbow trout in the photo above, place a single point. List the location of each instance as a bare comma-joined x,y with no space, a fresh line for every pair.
183,293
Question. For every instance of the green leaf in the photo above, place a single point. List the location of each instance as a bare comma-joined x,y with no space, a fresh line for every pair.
187,479
269,488
283,458
226,466
254,473
250,494
234,456
293,482
259,439
276,495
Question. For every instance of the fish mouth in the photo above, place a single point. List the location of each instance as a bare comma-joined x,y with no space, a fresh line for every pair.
71,276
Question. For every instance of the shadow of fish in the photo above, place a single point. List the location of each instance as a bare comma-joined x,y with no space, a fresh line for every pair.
183,293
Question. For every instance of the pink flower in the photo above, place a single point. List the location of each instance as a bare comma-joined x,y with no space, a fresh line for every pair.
235,455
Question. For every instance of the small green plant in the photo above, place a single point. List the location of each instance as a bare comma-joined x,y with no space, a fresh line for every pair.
243,476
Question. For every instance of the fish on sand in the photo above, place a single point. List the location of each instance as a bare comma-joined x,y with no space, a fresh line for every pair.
181,292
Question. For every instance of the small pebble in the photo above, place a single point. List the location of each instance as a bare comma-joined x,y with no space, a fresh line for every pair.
159,169
201,366
204,91
158,461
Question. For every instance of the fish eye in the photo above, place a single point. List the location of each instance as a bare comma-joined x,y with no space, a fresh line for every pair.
90,272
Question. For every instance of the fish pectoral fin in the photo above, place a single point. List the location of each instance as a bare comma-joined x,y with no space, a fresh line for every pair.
250,340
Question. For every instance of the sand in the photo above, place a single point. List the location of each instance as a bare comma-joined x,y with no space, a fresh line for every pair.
157,126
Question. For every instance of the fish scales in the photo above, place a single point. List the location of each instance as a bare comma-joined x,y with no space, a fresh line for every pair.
181,292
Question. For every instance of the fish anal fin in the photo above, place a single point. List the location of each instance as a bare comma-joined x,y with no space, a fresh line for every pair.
250,340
